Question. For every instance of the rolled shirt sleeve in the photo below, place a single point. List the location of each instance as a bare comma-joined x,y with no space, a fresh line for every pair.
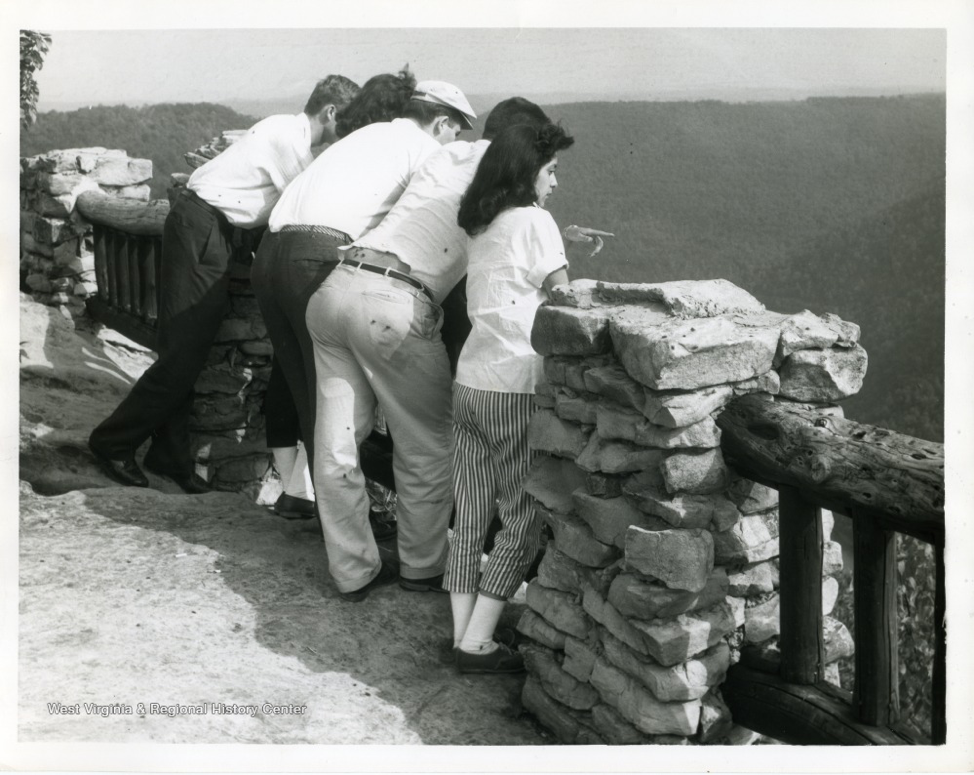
544,246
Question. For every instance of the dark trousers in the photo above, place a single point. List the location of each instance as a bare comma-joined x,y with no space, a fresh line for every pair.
288,268
194,293
282,426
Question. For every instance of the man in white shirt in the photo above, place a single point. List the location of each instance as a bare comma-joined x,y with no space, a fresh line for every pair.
346,191
225,200
375,323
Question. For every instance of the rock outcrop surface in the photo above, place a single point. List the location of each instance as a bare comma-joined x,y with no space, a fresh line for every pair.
663,560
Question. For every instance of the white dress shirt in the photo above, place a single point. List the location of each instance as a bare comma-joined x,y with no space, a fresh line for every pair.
421,229
246,180
356,181
508,264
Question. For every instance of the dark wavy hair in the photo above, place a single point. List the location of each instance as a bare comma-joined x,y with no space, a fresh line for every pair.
382,98
506,175
334,90
512,111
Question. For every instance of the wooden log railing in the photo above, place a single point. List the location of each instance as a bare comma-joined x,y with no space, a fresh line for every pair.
128,262
887,483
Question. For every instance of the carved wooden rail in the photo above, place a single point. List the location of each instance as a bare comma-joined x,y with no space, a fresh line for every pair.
887,483
128,262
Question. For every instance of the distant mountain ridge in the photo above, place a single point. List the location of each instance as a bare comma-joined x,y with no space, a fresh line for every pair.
831,204
481,103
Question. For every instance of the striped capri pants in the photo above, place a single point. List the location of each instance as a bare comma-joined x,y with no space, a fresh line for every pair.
491,459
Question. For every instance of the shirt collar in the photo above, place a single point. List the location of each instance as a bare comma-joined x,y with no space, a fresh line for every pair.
304,121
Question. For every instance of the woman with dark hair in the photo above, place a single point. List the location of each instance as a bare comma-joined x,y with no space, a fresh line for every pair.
516,255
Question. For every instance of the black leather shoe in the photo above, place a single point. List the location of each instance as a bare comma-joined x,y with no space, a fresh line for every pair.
289,507
387,574
509,637
430,584
500,660
124,471
383,526
191,484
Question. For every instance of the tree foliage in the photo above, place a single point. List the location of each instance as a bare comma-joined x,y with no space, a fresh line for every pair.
162,133
33,49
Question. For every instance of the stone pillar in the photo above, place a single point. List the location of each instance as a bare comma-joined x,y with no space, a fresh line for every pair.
57,264
57,261
663,563
227,424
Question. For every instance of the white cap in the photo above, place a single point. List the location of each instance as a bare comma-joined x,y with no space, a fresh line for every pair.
443,93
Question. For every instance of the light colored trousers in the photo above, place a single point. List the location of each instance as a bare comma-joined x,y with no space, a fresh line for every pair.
376,338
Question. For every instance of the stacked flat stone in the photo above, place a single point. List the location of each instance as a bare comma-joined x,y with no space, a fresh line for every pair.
214,148
228,438
663,562
56,250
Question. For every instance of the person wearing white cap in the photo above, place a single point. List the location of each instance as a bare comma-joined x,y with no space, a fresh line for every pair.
346,192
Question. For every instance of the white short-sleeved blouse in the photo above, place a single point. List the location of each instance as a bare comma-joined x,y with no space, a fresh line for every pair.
508,264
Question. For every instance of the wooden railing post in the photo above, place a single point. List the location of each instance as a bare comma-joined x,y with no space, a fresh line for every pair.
876,694
101,262
938,733
123,267
153,267
135,252
800,536
111,265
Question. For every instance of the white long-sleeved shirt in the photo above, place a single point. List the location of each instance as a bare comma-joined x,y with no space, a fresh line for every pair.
421,229
356,181
247,179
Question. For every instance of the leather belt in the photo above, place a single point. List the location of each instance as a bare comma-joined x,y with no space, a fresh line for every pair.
390,273
315,229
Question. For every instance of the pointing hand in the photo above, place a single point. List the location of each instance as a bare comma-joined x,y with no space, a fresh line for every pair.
575,233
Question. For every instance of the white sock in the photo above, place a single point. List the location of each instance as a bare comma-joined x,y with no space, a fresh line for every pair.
284,458
299,483
478,638
462,604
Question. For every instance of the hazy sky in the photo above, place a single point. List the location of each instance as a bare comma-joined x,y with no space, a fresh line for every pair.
162,65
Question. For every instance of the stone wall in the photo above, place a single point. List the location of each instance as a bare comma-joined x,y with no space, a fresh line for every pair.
664,561
56,254
227,424
58,266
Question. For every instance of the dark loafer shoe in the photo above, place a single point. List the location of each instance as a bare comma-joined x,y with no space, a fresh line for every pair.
430,584
124,471
509,637
289,507
387,574
500,660
383,526
191,484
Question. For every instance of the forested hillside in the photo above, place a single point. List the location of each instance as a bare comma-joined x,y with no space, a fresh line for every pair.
162,133
835,205
830,204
